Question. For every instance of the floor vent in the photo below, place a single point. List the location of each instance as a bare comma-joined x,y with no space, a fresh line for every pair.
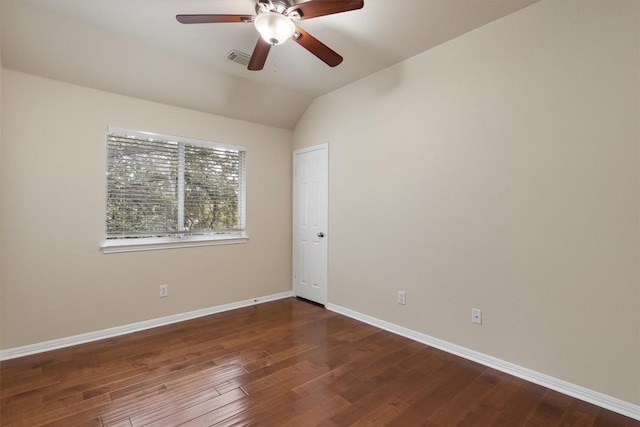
238,57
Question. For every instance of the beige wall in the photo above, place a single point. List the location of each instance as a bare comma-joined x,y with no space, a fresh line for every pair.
1,192
56,281
498,171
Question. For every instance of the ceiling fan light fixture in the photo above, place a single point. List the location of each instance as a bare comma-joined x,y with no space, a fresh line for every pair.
275,28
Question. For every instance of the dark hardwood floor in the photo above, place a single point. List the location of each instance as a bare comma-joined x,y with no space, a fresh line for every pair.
286,362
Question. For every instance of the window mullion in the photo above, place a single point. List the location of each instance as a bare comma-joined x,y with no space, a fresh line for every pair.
181,168
241,191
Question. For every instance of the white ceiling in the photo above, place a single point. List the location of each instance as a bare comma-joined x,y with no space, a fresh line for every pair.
137,48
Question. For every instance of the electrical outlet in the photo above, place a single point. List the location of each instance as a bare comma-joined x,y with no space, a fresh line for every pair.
164,291
402,297
476,316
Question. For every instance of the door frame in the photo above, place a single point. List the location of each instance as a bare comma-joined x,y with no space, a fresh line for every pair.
320,147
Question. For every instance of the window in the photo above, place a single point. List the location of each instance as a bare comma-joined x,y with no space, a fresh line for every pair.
166,191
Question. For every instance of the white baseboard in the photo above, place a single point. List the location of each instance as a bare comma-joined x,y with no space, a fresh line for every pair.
26,350
616,405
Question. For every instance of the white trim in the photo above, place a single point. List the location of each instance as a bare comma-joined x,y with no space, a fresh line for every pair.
152,244
27,350
313,148
611,403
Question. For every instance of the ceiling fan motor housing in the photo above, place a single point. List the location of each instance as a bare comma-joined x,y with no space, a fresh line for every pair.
279,6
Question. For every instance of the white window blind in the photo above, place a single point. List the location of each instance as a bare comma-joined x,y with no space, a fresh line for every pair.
166,186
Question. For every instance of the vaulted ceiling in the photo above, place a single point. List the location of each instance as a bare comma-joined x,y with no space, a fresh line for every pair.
137,48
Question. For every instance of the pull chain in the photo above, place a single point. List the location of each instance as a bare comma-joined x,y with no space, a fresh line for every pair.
275,59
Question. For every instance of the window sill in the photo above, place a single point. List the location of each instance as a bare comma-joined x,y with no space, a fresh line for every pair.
135,245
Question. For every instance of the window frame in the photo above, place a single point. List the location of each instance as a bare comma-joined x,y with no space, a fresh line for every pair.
115,245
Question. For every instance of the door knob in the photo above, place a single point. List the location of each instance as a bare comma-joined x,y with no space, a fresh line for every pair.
321,234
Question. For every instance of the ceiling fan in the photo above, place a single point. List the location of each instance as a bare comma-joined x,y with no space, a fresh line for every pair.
275,21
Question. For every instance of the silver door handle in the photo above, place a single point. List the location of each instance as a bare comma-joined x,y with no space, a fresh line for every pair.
321,234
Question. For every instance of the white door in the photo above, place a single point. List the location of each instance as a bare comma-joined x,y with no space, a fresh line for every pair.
310,183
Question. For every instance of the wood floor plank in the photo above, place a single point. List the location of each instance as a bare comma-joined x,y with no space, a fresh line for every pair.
174,416
520,407
505,387
611,419
278,397
150,399
278,409
171,406
579,414
436,393
323,382
550,410
39,417
321,413
388,356
370,395
488,409
19,403
465,402
89,418
383,414
38,383
216,416
285,362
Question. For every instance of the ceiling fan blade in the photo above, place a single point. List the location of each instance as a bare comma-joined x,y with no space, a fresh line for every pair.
213,19
315,46
314,8
259,55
